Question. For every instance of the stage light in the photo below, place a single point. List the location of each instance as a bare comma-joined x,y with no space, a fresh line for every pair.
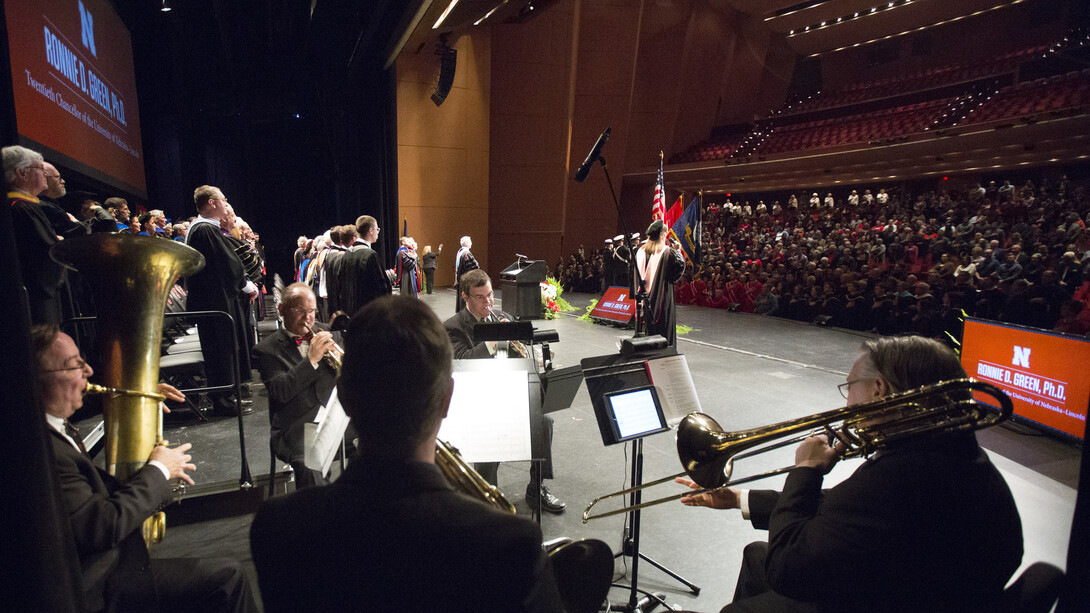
166,6
450,7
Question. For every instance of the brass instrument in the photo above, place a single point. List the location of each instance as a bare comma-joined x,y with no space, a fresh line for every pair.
98,389
333,356
131,277
466,480
707,453
516,346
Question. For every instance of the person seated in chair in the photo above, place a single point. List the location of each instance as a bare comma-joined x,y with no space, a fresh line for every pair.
297,376
390,533
478,297
926,524
106,515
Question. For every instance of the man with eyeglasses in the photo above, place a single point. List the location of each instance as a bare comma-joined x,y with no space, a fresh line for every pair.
926,524
106,515
476,290
220,286
297,377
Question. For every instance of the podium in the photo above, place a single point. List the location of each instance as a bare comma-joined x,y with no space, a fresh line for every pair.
521,284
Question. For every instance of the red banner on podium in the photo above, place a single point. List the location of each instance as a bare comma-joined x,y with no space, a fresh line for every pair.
616,306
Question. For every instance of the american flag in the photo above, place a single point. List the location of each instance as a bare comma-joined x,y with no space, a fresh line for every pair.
658,207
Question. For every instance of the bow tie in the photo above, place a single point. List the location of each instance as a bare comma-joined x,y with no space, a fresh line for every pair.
299,340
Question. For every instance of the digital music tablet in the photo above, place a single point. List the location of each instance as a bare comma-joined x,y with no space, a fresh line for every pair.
634,413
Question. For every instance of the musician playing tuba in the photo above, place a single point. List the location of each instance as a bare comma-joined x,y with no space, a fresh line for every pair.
926,524
391,529
105,515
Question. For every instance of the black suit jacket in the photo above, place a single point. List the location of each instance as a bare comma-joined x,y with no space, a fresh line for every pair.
460,329
392,535
363,279
106,517
925,526
296,390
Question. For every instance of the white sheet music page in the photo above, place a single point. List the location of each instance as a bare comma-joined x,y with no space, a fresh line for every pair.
674,382
489,417
322,437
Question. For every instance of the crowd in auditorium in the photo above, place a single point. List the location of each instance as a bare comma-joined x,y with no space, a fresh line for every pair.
887,260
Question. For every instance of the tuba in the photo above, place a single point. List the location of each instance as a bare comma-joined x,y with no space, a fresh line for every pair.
131,277
466,480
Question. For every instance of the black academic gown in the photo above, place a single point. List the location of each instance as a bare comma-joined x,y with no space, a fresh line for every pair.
661,313
363,278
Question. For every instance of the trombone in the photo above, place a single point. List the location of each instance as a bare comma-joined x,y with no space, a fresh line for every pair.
707,452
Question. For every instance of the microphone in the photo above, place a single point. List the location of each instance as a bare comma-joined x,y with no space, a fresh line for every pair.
592,157
519,255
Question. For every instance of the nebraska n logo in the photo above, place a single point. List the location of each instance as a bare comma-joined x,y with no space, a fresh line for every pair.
1021,356
87,28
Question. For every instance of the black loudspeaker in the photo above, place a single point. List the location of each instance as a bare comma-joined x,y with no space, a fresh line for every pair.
448,61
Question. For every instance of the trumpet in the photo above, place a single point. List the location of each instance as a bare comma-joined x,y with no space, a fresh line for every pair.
707,453
333,356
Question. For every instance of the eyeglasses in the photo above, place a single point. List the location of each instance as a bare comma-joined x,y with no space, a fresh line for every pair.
483,297
80,365
56,176
843,387
304,311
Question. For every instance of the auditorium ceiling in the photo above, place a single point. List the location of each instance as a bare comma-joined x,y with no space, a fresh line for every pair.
818,26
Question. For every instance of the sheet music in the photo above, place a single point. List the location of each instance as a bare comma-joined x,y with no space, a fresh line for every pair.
489,417
322,437
674,382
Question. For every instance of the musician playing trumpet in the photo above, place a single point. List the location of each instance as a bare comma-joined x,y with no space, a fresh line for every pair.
390,533
297,375
927,524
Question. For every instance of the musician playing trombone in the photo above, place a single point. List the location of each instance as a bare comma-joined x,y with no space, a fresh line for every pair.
927,524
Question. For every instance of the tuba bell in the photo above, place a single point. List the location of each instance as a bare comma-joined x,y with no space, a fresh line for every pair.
131,277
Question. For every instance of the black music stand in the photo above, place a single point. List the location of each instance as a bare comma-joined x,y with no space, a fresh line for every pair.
610,373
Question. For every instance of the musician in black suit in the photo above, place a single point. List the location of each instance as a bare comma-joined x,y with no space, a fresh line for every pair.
106,515
390,533
478,297
297,377
926,524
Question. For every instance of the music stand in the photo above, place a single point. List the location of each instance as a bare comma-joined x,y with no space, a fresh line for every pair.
606,375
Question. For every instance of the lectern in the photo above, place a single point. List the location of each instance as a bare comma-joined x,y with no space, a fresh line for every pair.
521,283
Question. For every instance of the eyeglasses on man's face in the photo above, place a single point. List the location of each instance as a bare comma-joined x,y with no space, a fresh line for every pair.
846,386
483,297
302,311
79,364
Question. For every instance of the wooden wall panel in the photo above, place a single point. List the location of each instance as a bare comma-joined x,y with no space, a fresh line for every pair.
443,165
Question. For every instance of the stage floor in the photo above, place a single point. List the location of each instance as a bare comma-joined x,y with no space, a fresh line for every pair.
748,371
